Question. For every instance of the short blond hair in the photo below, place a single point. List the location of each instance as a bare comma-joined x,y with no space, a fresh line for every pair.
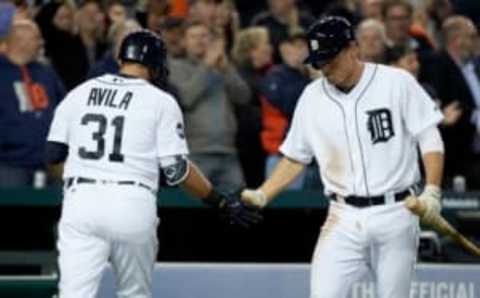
454,25
373,24
246,41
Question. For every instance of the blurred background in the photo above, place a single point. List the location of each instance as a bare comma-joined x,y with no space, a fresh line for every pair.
234,126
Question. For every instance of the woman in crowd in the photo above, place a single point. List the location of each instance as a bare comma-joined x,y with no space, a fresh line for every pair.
252,54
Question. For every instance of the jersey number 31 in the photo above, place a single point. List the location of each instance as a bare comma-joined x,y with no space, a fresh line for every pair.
98,136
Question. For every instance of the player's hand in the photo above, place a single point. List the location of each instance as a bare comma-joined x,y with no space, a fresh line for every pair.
254,197
431,199
235,211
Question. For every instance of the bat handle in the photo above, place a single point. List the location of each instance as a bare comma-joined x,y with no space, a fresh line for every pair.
467,244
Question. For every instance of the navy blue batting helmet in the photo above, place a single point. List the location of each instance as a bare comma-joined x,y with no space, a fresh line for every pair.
326,38
148,49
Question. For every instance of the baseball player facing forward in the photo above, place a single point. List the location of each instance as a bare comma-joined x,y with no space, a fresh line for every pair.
362,123
114,131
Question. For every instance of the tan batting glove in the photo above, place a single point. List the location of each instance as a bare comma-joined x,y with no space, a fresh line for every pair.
254,197
431,199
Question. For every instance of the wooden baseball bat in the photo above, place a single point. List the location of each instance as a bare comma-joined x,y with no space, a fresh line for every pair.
441,225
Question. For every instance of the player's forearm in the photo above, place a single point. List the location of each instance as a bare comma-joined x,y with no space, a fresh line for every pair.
432,148
55,156
433,163
196,183
284,173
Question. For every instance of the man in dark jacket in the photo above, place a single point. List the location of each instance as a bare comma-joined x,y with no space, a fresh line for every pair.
30,92
453,75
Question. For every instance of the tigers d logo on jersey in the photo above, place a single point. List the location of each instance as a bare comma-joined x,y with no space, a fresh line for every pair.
380,125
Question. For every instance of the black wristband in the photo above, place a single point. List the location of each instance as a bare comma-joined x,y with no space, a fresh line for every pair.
55,152
214,199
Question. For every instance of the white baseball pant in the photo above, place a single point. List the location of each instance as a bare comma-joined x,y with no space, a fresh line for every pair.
382,240
107,223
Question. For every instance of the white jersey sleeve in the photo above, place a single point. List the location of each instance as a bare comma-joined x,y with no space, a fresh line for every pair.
296,145
419,110
170,134
59,128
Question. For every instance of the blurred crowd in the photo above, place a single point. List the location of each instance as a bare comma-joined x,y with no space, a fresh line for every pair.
236,69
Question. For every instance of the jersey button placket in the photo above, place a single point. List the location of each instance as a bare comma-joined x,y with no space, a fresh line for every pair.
351,130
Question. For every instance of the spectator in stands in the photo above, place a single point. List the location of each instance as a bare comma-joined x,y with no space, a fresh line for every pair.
209,87
203,11
116,12
30,92
372,9
227,21
173,34
398,17
252,54
91,27
407,59
63,47
281,89
109,62
372,40
282,17
156,11
455,77
7,13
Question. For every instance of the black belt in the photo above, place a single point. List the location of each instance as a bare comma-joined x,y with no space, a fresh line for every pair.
82,180
370,201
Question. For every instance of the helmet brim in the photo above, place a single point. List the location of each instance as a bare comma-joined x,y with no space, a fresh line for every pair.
320,59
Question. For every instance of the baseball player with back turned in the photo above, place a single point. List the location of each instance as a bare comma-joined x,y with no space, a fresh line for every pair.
114,132
362,123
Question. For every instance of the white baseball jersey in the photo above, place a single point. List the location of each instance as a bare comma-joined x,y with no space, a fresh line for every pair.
117,128
364,141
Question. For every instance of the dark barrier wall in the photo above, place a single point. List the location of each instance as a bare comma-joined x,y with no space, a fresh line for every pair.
190,232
